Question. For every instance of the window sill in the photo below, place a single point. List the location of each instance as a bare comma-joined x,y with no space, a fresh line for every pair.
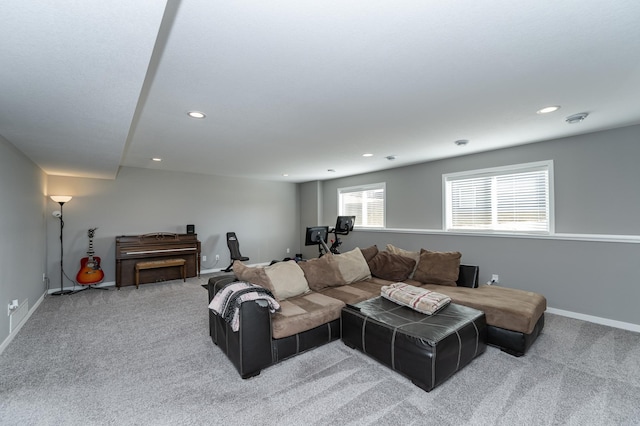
628,239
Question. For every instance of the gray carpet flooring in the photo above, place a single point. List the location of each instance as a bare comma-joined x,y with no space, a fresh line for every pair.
144,357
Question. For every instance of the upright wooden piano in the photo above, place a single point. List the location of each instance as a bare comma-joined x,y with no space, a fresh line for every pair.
131,249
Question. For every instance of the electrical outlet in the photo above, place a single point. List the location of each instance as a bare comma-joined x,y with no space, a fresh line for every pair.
204,258
288,250
44,277
217,257
495,278
12,306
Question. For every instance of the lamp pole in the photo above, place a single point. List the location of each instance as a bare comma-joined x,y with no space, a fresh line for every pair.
61,199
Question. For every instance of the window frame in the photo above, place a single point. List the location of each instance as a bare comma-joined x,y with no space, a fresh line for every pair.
447,207
362,188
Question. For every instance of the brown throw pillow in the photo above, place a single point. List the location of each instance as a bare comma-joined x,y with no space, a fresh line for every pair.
369,252
437,267
322,272
392,267
415,255
252,275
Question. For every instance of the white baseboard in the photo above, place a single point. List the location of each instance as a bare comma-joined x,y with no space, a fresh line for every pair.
80,287
13,334
210,271
598,320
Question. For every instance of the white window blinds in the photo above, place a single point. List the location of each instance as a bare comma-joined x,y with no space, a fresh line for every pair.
507,199
366,203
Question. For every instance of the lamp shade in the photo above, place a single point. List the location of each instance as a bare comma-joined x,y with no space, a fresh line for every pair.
61,198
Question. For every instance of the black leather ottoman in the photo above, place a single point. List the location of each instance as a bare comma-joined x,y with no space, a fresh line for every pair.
426,349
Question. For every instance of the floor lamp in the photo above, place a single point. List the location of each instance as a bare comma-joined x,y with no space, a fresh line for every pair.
61,199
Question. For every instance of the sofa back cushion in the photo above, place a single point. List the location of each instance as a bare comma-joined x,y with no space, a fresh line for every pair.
283,279
369,252
437,267
392,267
414,255
252,275
322,272
353,266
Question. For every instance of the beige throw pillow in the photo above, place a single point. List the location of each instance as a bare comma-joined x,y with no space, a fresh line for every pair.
438,267
287,279
353,267
282,279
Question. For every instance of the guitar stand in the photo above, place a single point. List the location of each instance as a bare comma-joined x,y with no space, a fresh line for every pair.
90,287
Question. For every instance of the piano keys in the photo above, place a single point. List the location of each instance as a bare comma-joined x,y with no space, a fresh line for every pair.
131,249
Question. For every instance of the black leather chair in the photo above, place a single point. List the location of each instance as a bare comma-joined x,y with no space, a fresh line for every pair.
234,249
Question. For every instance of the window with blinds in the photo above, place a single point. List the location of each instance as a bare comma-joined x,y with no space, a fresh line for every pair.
505,199
366,203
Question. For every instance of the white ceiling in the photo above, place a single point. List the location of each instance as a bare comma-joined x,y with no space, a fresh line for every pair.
300,87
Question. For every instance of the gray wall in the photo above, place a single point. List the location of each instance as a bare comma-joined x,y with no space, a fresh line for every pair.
22,231
263,214
310,211
596,192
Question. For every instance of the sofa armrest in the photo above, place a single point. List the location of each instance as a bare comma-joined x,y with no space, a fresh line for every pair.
249,349
468,276
216,283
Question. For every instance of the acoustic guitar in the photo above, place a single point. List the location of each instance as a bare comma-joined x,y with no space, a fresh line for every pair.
90,272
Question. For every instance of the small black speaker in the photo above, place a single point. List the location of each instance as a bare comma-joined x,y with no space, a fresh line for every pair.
191,229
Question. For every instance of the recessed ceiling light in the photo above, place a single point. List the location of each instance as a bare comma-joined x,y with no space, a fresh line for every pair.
196,114
285,174
156,159
547,110
367,155
462,142
576,118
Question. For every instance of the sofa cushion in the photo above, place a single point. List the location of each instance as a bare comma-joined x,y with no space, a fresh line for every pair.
415,255
253,275
287,279
369,252
350,294
437,267
508,308
302,313
322,272
392,267
353,266
371,286
283,279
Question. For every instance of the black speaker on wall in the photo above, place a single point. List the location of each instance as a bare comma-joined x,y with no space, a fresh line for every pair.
191,229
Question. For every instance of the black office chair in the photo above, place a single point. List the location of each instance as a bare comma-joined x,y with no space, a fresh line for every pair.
234,249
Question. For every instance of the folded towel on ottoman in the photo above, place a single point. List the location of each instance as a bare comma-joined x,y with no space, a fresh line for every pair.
419,299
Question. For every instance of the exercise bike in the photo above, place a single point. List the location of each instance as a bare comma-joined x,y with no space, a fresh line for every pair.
318,235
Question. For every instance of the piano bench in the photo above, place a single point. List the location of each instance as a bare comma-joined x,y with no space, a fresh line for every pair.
153,264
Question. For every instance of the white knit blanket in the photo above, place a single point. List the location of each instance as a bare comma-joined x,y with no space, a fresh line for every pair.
226,303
